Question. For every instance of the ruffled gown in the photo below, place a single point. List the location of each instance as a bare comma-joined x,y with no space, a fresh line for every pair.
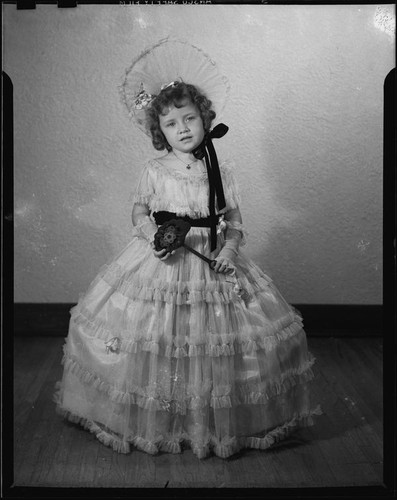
166,354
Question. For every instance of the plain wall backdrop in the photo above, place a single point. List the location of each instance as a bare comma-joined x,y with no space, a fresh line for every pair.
306,131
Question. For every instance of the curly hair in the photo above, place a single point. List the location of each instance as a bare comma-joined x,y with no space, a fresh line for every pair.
176,95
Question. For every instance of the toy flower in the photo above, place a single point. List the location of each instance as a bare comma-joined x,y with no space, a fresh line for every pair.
113,345
171,235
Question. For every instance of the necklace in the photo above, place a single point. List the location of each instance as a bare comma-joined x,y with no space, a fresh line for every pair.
187,165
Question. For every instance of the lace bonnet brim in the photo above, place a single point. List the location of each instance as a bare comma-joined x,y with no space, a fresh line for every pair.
167,61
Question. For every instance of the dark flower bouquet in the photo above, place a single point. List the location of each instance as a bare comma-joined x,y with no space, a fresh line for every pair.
171,235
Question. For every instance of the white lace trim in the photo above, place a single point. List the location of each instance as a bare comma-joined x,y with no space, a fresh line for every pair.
238,227
164,188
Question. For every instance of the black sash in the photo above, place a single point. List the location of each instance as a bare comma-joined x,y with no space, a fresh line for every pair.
206,150
163,216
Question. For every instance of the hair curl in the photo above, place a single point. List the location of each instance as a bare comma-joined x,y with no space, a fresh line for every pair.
176,95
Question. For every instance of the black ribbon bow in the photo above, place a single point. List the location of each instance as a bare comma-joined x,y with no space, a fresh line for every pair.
206,150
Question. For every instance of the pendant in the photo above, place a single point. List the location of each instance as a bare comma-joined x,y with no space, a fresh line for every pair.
188,167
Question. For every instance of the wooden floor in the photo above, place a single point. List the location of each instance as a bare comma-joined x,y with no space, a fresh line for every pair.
344,448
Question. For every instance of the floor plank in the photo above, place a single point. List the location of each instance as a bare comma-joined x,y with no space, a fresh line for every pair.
344,448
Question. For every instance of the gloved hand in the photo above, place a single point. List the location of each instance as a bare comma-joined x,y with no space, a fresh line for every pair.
227,256
161,254
146,228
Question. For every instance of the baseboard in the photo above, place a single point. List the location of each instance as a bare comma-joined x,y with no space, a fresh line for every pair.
326,320
346,320
41,319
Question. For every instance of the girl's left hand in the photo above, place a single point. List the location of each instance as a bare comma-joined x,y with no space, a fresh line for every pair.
224,265
226,258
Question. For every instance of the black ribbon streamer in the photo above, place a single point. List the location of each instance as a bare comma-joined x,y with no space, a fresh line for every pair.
206,150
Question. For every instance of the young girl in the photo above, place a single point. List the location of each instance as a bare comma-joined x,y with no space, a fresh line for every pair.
165,351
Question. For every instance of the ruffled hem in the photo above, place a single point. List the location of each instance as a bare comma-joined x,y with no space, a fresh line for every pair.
217,345
224,448
219,290
245,394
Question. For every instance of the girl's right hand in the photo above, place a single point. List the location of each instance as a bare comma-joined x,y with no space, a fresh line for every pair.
161,254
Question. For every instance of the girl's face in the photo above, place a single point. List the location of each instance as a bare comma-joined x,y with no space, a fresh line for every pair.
183,127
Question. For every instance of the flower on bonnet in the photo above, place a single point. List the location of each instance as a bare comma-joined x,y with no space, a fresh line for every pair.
171,235
143,99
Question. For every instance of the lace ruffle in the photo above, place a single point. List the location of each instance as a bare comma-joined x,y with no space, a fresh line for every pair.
238,227
218,290
224,448
191,397
164,188
216,344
